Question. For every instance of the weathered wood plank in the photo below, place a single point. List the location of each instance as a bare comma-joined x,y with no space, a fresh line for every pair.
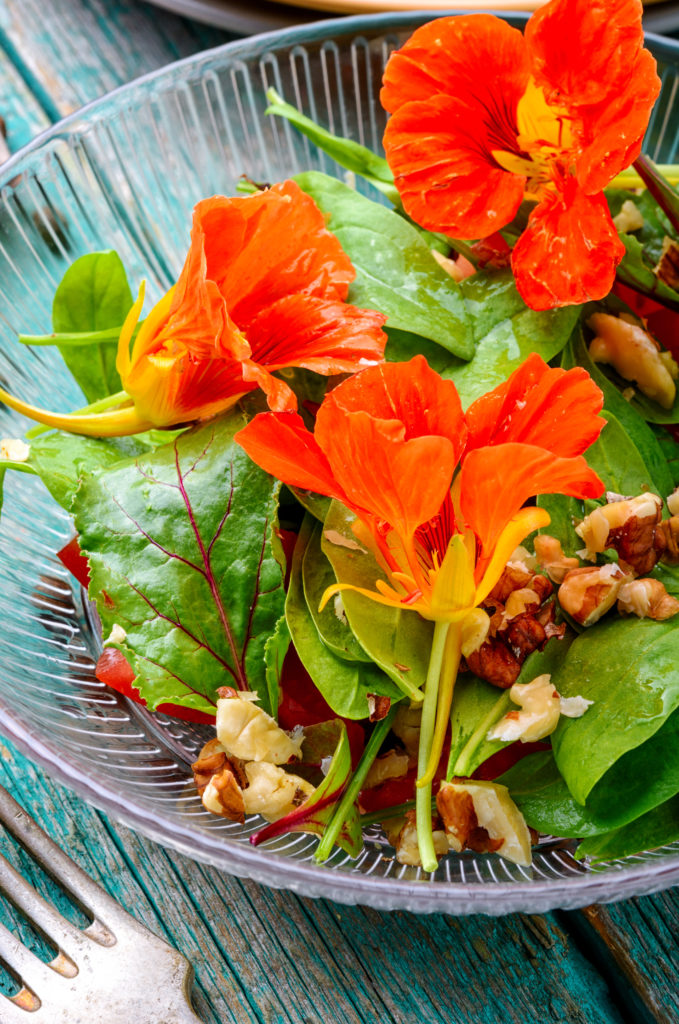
21,112
264,955
72,51
634,945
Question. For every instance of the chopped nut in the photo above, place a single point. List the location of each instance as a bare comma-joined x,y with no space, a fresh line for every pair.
14,449
492,812
523,557
647,599
402,834
520,601
525,634
475,629
273,792
588,593
574,707
514,577
116,636
247,732
495,663
629,218
392,765
406,726
673,502
635,355
223,796
666,541
628,526
378,706
551,558
212,759
667,269
539,715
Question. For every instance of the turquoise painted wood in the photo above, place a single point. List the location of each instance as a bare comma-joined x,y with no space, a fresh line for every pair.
267,956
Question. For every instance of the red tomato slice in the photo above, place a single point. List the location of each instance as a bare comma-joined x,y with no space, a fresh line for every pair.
72,558
500,762
301,703
114,669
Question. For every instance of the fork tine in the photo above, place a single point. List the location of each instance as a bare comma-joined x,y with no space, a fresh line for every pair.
58,864
33,972
41,913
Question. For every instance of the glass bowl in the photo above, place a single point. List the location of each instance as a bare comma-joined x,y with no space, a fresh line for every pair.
124,173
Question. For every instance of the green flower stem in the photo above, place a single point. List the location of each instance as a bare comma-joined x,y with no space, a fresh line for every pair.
461,766
631,179
99,406
425,839
665,196
76,339
464,249
451,663
350,795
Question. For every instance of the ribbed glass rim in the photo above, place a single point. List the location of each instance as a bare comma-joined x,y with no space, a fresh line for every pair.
265,866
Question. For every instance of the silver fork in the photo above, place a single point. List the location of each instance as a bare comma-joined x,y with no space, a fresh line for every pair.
115,971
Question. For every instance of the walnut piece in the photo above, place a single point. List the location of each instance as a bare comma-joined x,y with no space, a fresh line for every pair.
647,599
406,726
629,218
392,765
551,557
540,709
588,593
673,502
223,796
273,792
470,809
627,525
667,268
248,732
378,707
402,834
14,449
666,540
635,355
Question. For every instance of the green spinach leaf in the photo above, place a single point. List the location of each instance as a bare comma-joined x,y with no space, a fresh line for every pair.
395,270
629,668
640,780
398,640
505,331
344,684
656,828
93,295
332,625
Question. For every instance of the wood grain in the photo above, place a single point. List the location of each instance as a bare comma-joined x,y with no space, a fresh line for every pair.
269,956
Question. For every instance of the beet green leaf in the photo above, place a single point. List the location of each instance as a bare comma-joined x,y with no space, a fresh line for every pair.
179,542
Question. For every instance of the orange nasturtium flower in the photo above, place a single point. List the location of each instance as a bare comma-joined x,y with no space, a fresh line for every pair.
263,288
484,117
439,494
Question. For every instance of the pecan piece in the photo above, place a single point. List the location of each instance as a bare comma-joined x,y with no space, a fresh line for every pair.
524,635
495,663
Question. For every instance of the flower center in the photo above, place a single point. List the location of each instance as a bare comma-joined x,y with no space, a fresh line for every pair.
544,138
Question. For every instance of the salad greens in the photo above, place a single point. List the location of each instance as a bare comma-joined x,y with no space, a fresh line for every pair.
209,576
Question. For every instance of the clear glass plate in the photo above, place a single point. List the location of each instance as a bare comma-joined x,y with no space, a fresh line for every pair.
125,173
